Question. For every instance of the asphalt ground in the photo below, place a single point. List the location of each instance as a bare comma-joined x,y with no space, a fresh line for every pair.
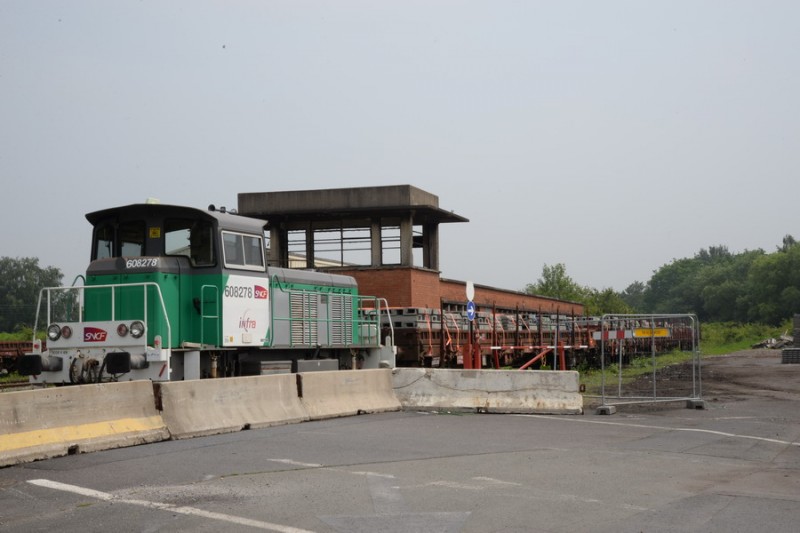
734,466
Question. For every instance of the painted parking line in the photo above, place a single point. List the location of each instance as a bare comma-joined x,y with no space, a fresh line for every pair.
190,511
667,428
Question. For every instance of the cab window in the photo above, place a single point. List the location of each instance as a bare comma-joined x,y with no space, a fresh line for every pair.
131,239
116,240
104,241
190,238
244,252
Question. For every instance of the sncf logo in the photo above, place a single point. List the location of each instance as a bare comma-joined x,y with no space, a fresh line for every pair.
260,292
94,334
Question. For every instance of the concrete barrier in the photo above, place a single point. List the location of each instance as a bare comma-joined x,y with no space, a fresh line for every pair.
52,422
491,391
210,406
347,392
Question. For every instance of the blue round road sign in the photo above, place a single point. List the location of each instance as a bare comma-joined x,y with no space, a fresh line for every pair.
471,310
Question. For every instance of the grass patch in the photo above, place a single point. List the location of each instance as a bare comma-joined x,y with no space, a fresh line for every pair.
592,379
716,339
12,377
22,334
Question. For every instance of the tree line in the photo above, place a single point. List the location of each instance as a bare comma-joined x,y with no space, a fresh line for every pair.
717,285
20,282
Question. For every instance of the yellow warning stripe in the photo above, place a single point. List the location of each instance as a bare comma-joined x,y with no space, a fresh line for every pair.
80,432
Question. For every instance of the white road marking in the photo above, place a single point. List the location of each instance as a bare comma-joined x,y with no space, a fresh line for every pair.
667,428
634,507
496,481
386,498
453,485
331,468
363,473
296,463
191,511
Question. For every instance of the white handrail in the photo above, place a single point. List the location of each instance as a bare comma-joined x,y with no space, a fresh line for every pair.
82,290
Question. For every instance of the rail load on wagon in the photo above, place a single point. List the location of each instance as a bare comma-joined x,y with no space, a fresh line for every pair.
176,293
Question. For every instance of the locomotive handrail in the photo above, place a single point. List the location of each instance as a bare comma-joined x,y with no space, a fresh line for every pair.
387,310
82,289
203,316
364,319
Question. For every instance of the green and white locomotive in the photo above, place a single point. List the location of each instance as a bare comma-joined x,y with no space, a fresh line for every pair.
176,293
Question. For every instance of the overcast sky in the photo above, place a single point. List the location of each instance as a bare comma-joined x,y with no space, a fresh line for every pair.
609,136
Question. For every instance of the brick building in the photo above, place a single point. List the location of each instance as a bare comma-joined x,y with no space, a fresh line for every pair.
387,238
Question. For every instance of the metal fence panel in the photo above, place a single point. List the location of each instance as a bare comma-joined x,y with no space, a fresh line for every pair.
638,340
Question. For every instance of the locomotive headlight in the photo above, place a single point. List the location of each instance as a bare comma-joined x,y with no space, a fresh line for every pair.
137,329
54,332
66,332
122,330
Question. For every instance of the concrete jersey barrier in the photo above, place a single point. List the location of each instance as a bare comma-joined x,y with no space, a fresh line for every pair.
347,392
63,420
491,391
52,422
210,406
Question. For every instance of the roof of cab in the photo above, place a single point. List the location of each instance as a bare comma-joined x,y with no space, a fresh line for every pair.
226,220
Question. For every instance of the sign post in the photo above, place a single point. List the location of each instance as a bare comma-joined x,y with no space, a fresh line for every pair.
473,356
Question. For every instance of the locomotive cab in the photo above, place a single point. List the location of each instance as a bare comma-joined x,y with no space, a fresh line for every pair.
189,254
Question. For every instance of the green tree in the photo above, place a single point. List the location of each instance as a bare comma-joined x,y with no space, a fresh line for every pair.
20,282
701,284
606,301
788,242
633,296
751,286
673,288
717,285
555,283
724,286
714,254
773,286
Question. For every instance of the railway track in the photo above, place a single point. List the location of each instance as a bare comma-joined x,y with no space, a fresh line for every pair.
10,386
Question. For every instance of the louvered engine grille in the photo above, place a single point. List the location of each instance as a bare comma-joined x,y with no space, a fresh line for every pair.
341,309
303,318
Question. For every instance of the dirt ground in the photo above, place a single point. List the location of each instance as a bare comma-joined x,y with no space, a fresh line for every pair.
748,374
743,375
